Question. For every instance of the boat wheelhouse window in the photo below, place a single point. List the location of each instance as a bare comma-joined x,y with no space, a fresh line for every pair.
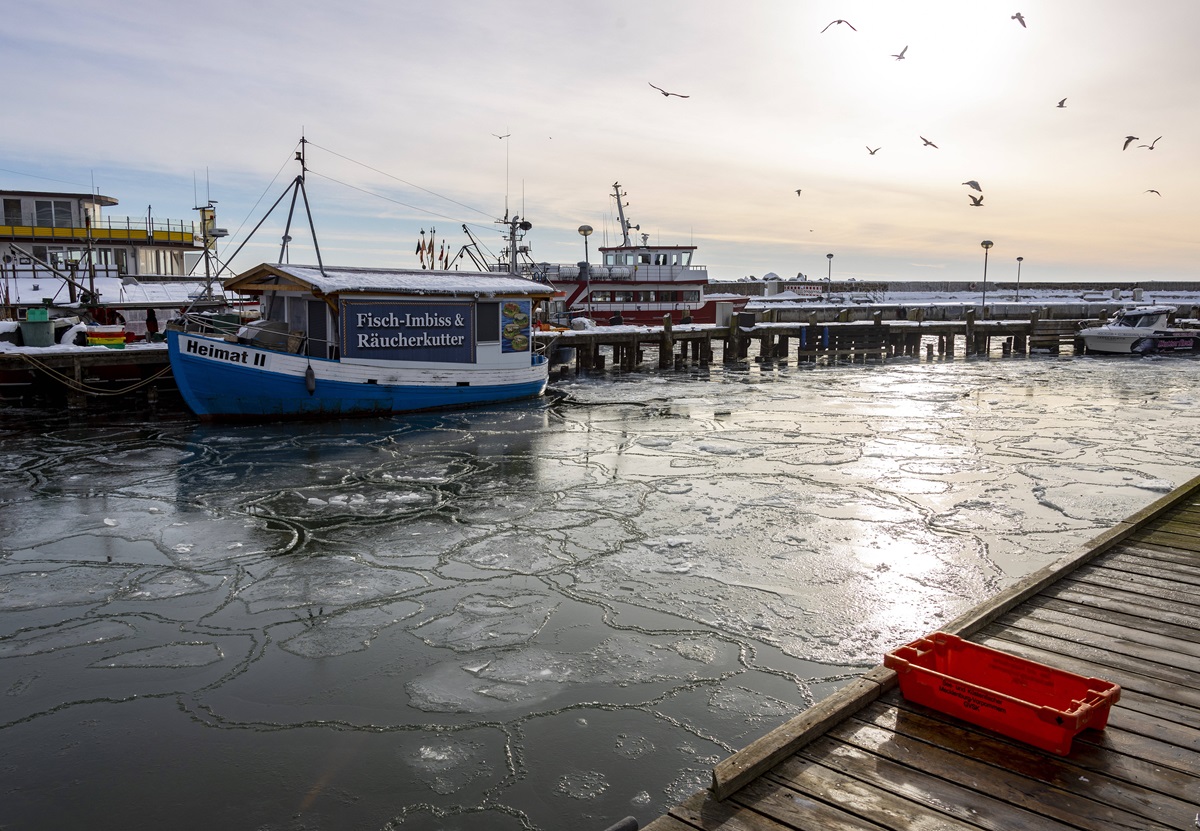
12,212
630,259
644,296
644,259
609,259
487,322
318,341
691,296
660,258
296,314
682,257
55,213
622,297
601,296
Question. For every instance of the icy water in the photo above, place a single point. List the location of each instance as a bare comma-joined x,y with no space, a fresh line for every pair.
545,616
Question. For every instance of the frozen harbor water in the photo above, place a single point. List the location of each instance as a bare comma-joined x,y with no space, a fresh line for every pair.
538,616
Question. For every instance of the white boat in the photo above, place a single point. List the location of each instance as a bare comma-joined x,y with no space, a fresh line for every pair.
637,283
336,342
1140,330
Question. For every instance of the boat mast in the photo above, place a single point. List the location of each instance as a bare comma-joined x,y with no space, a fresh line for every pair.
625,223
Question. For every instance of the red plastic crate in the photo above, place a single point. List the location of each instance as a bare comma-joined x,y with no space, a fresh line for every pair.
1022,699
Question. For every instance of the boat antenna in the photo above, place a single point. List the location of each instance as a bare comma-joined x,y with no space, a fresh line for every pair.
625,223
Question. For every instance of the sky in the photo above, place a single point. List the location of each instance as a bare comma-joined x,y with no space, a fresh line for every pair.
167,105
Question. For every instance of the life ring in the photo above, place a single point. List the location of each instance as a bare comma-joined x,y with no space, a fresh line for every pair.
972,287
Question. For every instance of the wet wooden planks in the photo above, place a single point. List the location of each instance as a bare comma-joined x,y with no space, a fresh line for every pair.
1125,608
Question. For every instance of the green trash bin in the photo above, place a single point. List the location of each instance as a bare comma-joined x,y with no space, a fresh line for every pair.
37,333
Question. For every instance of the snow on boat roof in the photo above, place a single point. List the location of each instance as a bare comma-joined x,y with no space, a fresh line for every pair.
340,279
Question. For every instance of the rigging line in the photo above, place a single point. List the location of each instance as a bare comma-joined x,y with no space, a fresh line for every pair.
34,176
398,179
270,185
394,201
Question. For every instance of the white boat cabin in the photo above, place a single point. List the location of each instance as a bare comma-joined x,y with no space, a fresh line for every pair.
372,314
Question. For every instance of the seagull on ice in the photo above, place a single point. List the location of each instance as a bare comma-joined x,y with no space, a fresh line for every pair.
900,56
928,143
1127,140
847,22
976,201
873,152
1020,18
1152,190
1150,146
1063,103
665,93
974,185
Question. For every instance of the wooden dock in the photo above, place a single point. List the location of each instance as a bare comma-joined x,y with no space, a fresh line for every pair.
1124,608
809,341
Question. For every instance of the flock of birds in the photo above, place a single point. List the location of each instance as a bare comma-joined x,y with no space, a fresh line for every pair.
976,201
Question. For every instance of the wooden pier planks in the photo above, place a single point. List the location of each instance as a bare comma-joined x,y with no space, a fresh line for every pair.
1125,607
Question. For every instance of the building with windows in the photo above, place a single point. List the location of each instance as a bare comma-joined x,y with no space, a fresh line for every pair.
70,233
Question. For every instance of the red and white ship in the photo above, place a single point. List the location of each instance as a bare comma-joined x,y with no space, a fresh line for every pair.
635,283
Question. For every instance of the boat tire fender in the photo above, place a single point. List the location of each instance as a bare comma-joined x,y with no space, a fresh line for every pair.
310,380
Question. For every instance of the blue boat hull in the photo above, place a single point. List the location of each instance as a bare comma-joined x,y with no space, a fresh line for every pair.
229,390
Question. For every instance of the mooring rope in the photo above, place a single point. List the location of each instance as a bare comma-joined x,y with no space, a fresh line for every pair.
71,383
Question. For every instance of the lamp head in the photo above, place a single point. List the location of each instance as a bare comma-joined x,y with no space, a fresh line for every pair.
830,256
1019,259
987,243
585,230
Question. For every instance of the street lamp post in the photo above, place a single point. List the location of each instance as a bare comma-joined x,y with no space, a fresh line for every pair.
829,274
987,243
1019,261
585,231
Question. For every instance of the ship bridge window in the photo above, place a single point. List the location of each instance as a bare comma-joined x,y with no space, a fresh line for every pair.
602,296
660,258
609,259
644,297
55,213
644,259
630,259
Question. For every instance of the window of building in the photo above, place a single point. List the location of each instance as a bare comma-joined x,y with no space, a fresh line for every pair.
54,213
12,212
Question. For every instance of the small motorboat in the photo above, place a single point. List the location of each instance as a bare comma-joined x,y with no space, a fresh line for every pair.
1140,330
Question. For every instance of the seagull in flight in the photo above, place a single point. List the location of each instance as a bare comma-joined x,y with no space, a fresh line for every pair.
1127,140
873,152
665,93
1150,146
497,135
928,143
900,56
847,22
973,185
1020,18
1063,104
1152,190
976,201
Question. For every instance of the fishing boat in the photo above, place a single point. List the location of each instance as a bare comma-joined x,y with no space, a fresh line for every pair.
1140,330
335,342
636,283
